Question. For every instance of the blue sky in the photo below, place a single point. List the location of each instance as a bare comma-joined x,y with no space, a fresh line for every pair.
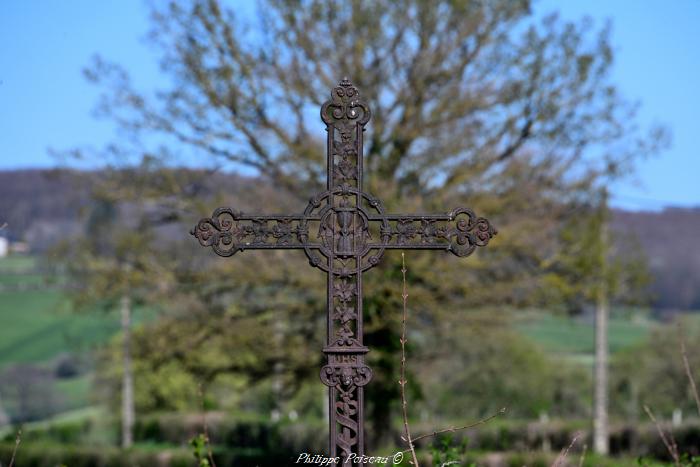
45,102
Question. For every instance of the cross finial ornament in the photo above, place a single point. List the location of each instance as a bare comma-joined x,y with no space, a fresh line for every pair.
344,232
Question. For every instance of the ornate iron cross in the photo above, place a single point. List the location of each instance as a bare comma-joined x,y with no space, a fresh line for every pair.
344,231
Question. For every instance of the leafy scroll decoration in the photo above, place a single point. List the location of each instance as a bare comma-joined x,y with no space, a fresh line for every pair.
226,234
346,150
220,231
459,231
345,105
469,232
346,375
344,298
343,114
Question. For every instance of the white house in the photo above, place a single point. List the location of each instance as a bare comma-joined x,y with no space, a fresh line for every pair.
4,247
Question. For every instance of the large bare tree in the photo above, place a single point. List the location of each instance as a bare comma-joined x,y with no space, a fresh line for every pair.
474,100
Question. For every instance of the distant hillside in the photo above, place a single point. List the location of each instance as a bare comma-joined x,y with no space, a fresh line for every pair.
670,241
42,206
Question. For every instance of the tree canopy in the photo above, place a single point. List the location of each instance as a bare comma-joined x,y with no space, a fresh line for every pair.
473,102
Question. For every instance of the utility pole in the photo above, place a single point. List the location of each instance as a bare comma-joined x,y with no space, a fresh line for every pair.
600,401
127,378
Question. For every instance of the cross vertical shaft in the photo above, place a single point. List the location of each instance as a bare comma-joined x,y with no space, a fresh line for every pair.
345,116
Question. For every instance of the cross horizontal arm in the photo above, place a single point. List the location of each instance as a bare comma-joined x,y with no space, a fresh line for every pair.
459,231
228,231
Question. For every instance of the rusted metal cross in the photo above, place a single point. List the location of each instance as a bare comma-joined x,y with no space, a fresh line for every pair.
344,231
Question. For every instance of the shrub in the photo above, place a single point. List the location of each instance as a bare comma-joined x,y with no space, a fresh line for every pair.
42,454
233,431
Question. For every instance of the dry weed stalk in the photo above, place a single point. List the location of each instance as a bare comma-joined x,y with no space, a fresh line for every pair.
670,441
452,429
18,440
583,455
688,372
402,384
402,381
564,452
670,444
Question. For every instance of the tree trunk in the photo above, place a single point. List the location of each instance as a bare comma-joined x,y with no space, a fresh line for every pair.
4,417
127,380
600,408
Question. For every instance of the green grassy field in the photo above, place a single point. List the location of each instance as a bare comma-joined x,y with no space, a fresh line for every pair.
17,262
75,392
37,326
19,270
576,336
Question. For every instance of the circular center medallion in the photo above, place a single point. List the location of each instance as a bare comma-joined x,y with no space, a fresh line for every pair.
344,215
344,231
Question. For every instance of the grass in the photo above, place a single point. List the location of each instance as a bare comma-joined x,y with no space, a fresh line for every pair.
77,415
19,270
15,263
36,326
576,336
74,391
